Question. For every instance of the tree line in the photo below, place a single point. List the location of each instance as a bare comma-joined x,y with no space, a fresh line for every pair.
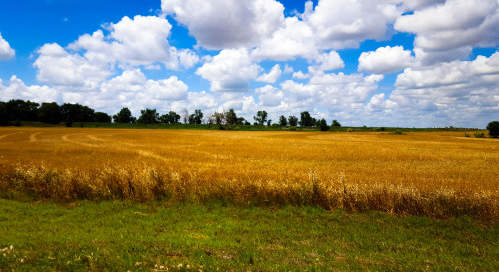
15,111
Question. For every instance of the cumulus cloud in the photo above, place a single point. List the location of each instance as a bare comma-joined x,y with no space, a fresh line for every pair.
16,89
457,93
330,25
448,31
6,52
272,76
295,39
230,71
132,42
385,60
59,68
269,96
344,24
300,75
328,93
418,4
329,61
220,24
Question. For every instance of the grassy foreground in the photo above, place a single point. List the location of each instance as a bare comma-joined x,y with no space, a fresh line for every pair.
121,236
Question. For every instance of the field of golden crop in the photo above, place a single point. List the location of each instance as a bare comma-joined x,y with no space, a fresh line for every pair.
423,173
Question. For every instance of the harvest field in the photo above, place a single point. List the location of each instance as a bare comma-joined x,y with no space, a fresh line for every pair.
437,174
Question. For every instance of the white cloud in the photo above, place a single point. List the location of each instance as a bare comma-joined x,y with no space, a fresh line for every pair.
187,58
142,40
288,69
269,96
418,4
300,75
344,24
385,60
133,86
295,39
220,24
331,25
6,52
448,31
16,89
329,61
230,71
272,76
457,93
57,67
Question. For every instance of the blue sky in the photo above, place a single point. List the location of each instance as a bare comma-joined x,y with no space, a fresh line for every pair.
380,63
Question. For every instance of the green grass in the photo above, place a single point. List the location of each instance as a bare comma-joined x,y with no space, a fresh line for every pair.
120,236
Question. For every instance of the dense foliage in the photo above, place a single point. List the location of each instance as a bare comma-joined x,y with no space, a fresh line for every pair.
15,111
493,128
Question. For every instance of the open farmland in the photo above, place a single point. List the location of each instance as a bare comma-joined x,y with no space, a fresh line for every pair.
438,174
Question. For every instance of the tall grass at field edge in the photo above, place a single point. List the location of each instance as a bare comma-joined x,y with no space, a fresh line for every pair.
145,183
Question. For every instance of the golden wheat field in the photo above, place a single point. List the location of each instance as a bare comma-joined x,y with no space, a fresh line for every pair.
423,173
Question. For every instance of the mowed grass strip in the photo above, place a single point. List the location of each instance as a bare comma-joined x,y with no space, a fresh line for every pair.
440,174
121,236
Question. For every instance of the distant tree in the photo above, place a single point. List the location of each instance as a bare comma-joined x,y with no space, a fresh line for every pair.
192,120
49,113
241,121
306,120
148,116
283,121
336,123
218,119
493,128
170,118
293,121
20,110
315,122
4,114
76,113
124,116
269,123
102,117
323,125
246,123
261,117
198,117
231,117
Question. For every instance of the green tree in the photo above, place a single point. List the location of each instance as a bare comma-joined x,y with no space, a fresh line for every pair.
231,118
170,118
148,116
4,115
261,117
283,121
49,113
323,125
124,116
293,121
77,113
102,117
336,123
20,110
306,120
197,117
493,128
